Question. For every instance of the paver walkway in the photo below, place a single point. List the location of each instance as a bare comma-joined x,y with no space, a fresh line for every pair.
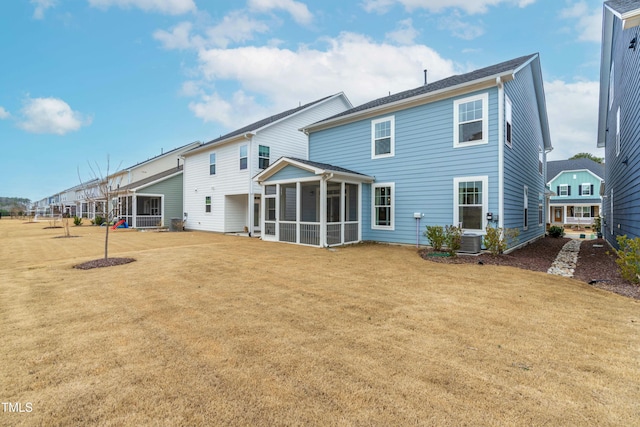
565,263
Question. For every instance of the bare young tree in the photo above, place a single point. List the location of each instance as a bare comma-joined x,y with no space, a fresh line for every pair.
102,190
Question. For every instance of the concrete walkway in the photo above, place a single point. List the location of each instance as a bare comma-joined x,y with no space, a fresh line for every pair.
565,263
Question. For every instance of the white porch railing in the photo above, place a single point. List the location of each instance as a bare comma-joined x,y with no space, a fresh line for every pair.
288,232
148,221
310,234
270,228
574,220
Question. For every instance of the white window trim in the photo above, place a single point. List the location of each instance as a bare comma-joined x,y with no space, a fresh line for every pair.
561,187
525,210
484,97
215,163
391,227
540,209
485,200
392,144
618,132
582,186
240,157
508,120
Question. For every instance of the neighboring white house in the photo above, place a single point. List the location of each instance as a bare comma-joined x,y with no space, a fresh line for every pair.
149,193
219,192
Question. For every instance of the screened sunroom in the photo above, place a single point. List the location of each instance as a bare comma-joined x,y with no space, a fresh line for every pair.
311,203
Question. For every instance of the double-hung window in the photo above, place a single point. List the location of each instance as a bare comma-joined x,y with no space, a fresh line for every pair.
586,190
540,209
471,200
525,222
263,156
212,164
470,123
243,157
383,206
383,137
207,204
618,132
564,190
509,121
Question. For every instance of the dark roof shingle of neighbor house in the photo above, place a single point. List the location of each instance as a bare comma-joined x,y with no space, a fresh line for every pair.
623,6
554,167
261,123
325,166
440,85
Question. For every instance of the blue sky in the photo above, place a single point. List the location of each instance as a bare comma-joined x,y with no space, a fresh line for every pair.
85,79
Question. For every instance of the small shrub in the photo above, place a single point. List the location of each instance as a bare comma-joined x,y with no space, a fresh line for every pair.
498,240
435,234
629,258
77,220
98,220
453,239
555,231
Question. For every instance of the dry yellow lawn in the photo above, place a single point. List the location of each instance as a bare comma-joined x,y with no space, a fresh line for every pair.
206,329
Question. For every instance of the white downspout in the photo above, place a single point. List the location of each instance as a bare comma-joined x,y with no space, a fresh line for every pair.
250,196
500,85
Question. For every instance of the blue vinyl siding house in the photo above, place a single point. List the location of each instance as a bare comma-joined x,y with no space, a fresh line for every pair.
469,149
619,118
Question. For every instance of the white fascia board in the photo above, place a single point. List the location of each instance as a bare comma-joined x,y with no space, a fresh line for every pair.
605,70
425,98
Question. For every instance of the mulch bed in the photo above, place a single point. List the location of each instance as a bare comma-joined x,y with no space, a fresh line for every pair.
98,263
596,262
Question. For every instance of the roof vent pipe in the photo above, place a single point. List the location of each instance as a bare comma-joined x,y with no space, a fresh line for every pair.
425,76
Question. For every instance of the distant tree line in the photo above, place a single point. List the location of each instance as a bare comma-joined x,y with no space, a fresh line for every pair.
14,206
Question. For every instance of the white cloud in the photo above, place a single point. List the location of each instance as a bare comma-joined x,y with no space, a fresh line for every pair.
298,11
587,21
286,78
573,118
4,114
41,7
178,38
405,34
236,27
468,6
50,115
460,28
170,7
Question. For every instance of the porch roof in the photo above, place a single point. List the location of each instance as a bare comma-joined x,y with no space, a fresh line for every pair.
577,201
317,168
152,179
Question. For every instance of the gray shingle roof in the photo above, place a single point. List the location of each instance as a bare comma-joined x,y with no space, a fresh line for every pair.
440,85
557,166
325,166
623,6
261,123
151,179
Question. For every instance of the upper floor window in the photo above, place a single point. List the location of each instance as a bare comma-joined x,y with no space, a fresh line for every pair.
564,190
470,121
586,190
243,157
212,164
508,119
207,204
611,84
263,156
383,137
618,132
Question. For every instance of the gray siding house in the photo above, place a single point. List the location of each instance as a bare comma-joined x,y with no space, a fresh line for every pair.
619,118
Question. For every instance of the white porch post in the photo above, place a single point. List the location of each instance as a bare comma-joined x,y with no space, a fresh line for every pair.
134,210
298,208
564,217
343,207
323,211
359,212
